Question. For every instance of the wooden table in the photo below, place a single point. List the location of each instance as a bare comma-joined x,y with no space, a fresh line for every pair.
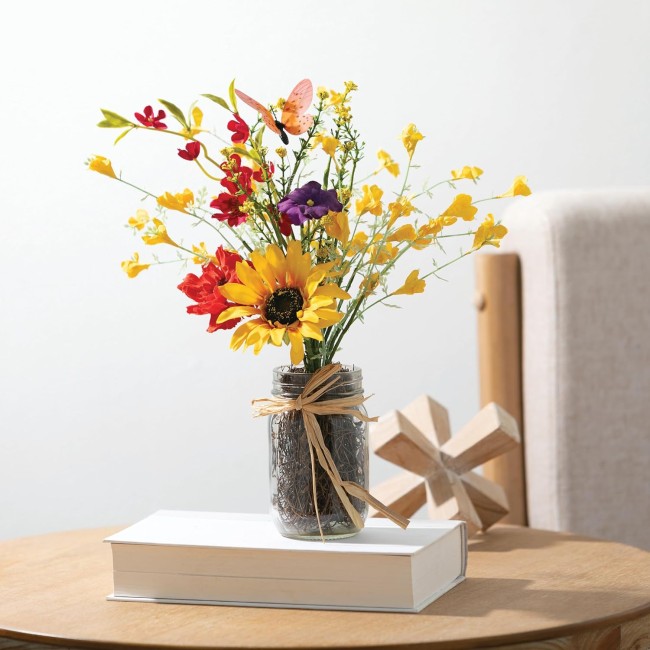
523,586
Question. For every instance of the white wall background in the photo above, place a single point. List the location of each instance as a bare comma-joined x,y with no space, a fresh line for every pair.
114,402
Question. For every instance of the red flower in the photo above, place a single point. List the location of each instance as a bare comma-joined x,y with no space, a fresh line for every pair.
285,225
191,151
259,176
236,175
239,128
148,119
229,208
205,292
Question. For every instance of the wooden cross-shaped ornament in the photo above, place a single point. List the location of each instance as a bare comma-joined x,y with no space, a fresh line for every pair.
418,439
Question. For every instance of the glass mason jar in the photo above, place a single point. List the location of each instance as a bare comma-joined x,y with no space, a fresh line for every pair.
292,501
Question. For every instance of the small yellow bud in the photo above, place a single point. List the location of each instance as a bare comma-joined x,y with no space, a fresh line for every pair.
281,102
348,145
343,111
281,151
247,207
350,86
321,92
227,152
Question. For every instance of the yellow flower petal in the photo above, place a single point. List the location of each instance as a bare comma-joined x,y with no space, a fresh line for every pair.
329,143
310,331
178,202
242,333
369,284
157,234
471,173
461,208
238,311
519,187
277,335
263,335
358,243
101,165
400,208
337,225
251,278
489,234
297,350
308,316
277,262
382,254
298,264
132,267
412,285
264,269
327,317
404,233
332,290
388,163
140,220
410,138
370,201
316,276
240,293
315,302
202,256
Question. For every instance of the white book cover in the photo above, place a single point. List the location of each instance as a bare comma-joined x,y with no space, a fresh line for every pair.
240,559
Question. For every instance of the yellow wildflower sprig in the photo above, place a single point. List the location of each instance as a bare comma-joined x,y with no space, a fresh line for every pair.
359,246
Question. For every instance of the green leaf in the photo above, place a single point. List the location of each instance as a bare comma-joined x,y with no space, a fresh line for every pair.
217,100
119,137
113,120
249,153
176,112
258,137
233,97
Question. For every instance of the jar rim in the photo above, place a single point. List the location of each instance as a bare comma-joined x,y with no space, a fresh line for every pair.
290,381
349,371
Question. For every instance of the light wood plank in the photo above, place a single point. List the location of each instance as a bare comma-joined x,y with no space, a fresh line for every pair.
397,440
405,493
431,418
448,499
490,433
489,498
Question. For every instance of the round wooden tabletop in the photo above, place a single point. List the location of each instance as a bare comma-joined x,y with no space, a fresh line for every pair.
523,585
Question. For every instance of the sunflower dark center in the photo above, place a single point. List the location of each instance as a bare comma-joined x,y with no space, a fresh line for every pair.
283,305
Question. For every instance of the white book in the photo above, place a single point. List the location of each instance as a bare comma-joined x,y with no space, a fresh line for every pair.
241,559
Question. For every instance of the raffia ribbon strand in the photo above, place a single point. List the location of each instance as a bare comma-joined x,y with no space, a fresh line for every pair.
308,404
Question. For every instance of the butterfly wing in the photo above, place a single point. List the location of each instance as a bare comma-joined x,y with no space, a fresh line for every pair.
298,124
262,110
293,118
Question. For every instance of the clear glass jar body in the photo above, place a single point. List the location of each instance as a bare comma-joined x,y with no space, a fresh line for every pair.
346,437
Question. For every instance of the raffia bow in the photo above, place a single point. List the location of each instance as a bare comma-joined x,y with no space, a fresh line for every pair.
308,404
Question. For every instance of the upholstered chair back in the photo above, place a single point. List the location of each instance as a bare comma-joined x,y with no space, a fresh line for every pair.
585,274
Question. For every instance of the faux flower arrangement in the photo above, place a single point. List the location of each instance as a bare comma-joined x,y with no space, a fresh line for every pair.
306,247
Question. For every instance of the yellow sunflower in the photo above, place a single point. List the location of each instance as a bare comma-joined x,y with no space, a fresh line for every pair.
285,297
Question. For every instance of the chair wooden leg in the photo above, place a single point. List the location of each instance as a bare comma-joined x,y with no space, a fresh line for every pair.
498,301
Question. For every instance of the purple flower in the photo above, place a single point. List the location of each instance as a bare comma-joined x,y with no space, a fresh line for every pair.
309,202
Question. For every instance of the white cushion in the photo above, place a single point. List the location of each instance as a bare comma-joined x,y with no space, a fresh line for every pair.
585,259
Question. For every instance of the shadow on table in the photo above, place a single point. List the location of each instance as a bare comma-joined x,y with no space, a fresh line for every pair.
477,597
510,538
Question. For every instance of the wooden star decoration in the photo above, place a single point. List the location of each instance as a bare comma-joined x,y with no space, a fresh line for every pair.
439,466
